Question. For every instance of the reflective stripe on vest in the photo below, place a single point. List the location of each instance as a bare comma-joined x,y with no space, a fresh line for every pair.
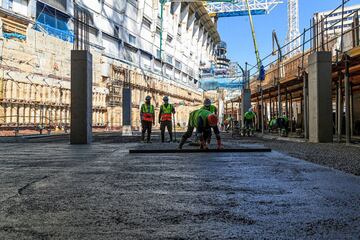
147,113
166,112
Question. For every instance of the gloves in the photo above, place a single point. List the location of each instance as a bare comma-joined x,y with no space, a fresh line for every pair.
219,144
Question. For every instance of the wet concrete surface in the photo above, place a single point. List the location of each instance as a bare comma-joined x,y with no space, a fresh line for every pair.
59,191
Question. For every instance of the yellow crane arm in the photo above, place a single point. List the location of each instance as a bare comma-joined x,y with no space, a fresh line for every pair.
253,36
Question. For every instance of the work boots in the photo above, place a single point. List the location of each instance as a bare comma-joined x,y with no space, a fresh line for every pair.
171,137
142,137
182,142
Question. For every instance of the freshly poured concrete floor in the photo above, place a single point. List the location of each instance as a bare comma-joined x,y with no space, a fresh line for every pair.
59,191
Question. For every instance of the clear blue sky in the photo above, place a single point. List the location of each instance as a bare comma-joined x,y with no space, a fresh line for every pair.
236,31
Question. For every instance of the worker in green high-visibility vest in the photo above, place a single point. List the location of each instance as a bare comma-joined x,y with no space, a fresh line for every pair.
203,120
165,118
283,123
208,106
147,116
249,119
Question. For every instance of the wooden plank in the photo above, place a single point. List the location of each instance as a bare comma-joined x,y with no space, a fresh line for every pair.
229,150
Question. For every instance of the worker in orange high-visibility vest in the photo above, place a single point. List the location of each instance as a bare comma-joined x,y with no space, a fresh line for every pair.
165,118
147,116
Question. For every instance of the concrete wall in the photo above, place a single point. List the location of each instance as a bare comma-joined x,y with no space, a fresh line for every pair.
36,80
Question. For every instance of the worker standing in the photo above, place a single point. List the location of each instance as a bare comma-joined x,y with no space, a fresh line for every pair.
283,124
203,121
147,116
249,120
165,118
208,106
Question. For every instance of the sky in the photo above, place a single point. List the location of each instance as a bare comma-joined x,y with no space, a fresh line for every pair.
236,31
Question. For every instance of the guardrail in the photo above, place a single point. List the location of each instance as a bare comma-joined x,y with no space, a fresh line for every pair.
314,38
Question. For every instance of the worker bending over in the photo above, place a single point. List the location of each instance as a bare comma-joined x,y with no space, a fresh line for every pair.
203,121
165,118
147,116
249,120
208,106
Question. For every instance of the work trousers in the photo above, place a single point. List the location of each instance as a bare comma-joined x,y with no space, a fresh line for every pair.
163,125
248,123
146,126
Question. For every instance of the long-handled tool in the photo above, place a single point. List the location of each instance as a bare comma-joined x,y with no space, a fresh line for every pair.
174,127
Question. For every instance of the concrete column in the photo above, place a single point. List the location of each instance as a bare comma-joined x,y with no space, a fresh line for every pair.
320,98
245,103
81,97
306,105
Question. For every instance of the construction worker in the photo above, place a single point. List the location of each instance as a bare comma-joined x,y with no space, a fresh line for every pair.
147,116
203,120
273,123
208,106
211,108
249,120
283,124
165,118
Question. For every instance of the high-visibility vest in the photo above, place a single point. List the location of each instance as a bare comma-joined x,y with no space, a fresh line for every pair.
166,112
211,108
249,115
195,115
147,113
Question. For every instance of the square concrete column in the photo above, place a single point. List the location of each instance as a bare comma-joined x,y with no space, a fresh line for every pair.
320,98
81,97
126,106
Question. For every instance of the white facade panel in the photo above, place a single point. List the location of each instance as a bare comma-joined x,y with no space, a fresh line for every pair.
20,6
177,75
111,46
169,71
131,55
157,66
145,61
148,11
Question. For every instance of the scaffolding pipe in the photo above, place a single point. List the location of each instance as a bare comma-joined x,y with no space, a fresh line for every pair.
279,99
336,107
262,111
305,93
340,107
347,101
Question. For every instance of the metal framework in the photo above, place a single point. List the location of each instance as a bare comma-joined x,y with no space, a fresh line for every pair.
239,8
292,38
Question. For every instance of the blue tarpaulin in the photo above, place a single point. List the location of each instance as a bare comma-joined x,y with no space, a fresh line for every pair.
14,35
53,22
216,83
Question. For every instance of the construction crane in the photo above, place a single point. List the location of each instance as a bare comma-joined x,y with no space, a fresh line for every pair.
258,59
245,8
292,38
230,8
241,7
